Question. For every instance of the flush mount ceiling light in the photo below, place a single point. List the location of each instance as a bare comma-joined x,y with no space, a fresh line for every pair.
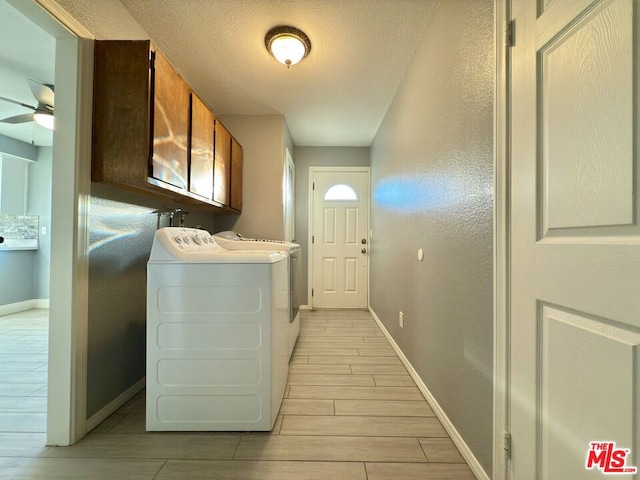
287,44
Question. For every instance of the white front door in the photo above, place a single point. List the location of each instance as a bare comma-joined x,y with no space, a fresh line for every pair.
340,238
575,240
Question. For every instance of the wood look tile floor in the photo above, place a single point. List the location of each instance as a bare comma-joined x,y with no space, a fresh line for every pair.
351,412
24,338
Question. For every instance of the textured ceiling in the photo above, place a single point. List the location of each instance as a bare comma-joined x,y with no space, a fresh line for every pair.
337,96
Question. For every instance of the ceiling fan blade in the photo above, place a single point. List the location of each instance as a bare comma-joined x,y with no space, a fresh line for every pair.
17,103
42,92
27,117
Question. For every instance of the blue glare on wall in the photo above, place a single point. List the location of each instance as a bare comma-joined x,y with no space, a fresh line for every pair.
412,194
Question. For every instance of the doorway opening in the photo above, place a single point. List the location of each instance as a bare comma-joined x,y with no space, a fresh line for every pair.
27,59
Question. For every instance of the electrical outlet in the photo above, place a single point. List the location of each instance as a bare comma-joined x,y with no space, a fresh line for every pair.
401,319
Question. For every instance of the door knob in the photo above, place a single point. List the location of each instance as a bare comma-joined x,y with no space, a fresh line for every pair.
363,241
364,250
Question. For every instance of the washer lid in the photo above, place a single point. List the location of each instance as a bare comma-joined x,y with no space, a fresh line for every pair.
191,245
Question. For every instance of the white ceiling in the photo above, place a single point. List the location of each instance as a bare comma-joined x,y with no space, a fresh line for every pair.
26,51
337,96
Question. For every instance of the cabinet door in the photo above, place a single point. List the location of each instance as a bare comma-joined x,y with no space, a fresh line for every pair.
222,173
236,175
201,167
170,109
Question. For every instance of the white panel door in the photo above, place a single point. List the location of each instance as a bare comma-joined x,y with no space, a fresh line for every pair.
340,240
575,240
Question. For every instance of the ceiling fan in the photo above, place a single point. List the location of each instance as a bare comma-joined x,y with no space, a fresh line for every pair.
43,113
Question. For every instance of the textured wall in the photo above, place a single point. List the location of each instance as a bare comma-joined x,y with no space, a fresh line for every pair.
432,188
303,158
121,234
263,139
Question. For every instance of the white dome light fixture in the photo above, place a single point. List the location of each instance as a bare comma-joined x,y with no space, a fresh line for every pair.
287,44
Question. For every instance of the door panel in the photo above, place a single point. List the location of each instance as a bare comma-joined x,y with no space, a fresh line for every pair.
340,262
329,275
575,239
351,226
587,92
351,275
329,226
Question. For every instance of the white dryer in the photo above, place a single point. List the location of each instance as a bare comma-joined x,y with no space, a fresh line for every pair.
234,241
217,334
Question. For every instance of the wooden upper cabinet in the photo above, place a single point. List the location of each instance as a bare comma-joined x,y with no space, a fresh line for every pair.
121,116
201,170
151,134
222,168
170,110
236,175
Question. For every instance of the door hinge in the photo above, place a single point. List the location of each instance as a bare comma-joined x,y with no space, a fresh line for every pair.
511,33
314,186
312,292
313,239
507,444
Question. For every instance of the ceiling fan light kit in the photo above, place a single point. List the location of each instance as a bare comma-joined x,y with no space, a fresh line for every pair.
287,44
44,119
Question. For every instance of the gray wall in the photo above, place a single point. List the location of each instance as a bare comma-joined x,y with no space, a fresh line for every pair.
303,158
121,234
263,139
39,203
17,267
432,187
16,276
13,189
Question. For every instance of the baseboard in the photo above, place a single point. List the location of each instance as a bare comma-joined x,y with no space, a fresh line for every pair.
41,303
100,416
466,452
305,307
22,306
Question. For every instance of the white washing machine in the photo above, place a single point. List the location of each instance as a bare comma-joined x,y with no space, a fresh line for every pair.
217,334
236,242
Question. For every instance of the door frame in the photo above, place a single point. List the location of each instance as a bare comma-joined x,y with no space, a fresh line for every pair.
501,242
312,171
68,311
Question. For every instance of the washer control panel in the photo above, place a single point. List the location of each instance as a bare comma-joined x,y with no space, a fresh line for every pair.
175,243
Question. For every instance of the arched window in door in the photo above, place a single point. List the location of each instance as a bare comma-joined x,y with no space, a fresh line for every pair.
341,192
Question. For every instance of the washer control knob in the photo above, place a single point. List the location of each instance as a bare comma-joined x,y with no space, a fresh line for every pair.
178,239
196,239
186,240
